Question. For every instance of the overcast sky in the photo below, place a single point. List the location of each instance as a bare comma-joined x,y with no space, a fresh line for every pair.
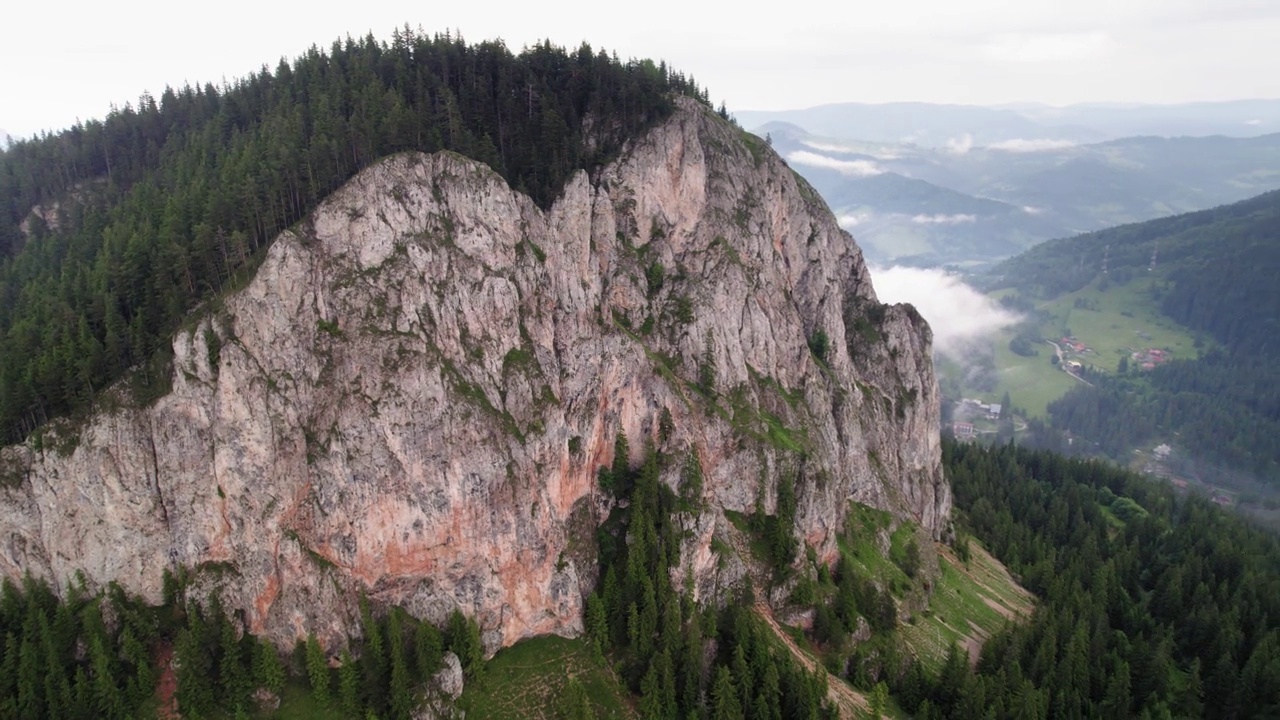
62,61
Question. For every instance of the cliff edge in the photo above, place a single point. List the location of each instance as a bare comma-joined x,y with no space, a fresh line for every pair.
414,395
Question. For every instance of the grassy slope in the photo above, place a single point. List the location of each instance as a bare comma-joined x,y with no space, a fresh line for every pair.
1034,382
969,604
525,681
297,703
1113,334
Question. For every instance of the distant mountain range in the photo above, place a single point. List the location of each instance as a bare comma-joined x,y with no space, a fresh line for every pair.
933,125
972,203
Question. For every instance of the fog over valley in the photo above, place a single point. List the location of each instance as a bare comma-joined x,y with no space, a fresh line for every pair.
956,311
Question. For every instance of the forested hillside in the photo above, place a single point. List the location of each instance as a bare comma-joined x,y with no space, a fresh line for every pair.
1214,273
1217,263
1151,605
112,230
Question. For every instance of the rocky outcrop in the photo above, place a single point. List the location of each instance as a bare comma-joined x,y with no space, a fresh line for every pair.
412,397
448,680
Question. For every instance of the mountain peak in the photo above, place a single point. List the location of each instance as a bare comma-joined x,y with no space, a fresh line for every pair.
415,395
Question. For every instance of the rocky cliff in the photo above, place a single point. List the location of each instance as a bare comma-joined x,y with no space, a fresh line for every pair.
412,397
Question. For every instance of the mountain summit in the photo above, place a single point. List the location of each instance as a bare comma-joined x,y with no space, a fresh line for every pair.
415,396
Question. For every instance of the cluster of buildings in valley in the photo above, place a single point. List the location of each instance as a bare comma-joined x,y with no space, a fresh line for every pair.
969,406
969,410
1144,359
1071,344
1148,359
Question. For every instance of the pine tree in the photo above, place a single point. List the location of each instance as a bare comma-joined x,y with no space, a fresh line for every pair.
373,657
195,670
879,700
955,672
317,670
596,623
232,673
1118,695
574,703
268,671
428,648
707,367
464,639
620,469
143,682
651,706
724,697
691,481
690,676
401,699
666,425
349,685
1192,699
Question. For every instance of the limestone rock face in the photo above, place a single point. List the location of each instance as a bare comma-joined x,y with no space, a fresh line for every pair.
413,396
448,679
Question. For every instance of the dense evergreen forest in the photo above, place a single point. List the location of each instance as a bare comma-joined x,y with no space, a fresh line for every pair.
1150,605
659,639
96,657
145,214
1217,271
1207,247
79,657
1221,408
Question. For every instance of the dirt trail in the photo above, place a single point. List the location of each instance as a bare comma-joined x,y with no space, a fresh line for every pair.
167,687
850,702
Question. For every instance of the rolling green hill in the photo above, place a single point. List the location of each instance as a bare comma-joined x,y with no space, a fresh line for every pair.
1200,289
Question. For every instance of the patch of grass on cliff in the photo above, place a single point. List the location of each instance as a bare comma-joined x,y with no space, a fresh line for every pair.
297,703
860,543
528,679
970,602
754,145
754,422
749,526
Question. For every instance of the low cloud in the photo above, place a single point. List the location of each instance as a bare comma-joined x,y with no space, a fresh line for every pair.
852,168
1253,122
943,219
960,145
852,220
957,313
1032,210
837,148
1022,145
827,146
